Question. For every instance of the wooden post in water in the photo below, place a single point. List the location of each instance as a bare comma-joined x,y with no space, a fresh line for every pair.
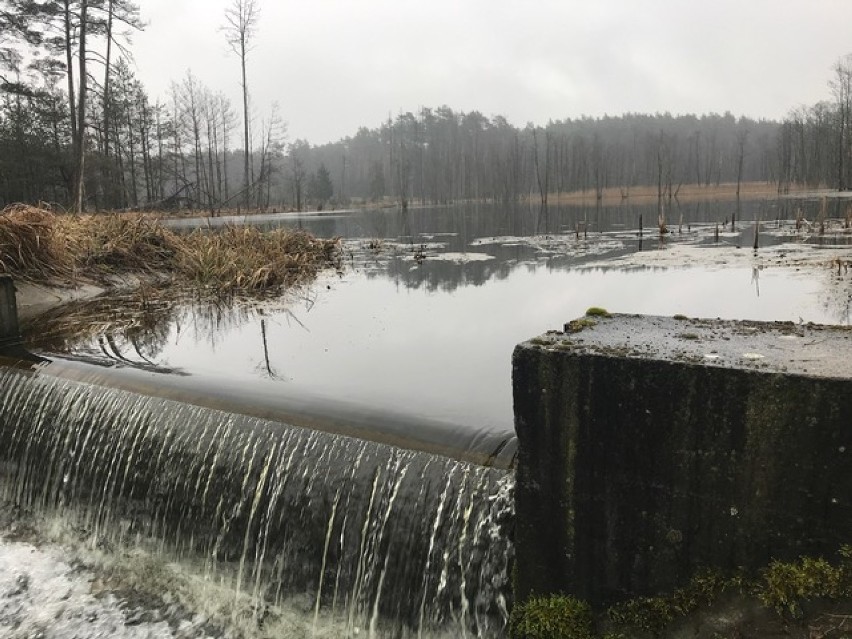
10,333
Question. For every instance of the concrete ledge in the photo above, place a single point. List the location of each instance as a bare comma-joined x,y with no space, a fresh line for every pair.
650,447
10,334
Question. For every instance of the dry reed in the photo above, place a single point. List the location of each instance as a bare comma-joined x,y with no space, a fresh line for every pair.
29,246
38,245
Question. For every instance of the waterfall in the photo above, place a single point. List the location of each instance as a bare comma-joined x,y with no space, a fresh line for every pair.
397,542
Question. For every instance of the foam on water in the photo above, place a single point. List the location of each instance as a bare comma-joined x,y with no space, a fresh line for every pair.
43,595
60,583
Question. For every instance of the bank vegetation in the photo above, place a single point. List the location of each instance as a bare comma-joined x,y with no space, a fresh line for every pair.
809,598
38,245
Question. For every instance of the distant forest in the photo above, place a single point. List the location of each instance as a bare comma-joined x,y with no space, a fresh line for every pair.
104,143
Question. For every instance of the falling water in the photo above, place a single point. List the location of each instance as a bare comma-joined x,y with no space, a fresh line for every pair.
388,541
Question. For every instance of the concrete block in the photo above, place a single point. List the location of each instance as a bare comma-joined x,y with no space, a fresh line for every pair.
9,330
650,447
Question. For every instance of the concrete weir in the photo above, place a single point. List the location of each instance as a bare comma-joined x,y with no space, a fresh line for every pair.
650,447
10,333
300,408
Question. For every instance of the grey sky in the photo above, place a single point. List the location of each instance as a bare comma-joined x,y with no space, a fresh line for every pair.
335,65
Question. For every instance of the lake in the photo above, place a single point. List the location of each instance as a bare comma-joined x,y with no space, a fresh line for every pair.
423,315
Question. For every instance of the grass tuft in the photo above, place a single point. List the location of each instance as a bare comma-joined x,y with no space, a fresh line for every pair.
597,311
550,617
38,245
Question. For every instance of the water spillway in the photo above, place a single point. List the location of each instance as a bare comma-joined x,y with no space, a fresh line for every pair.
294,406
393,541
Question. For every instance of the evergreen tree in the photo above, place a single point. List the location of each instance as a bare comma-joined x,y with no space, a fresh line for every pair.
321,189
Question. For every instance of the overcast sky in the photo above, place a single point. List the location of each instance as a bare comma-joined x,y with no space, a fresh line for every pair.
335,65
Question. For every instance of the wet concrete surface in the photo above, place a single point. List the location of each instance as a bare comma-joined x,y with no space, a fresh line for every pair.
783,347
650,447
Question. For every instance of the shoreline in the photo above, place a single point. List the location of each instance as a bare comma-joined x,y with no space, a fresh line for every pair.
33,299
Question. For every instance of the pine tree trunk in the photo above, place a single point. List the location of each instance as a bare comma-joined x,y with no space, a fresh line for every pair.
80,147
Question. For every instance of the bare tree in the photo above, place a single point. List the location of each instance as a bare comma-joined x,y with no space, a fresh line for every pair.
742,139
841,86
127,13
271,150
227,121
69,65
241,22
542,173
192,106
298,151
80,141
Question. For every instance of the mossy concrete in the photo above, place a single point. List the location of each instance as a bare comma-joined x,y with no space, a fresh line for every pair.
10,333
650,447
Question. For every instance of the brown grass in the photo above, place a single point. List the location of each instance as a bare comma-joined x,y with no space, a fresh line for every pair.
246,258
29,246
685,193
39,245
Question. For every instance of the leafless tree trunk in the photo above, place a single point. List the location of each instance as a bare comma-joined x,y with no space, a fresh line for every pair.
211,151
241,22
227,125
80,143
159,180
69,66
178,158
107,73
742,138
841,86
192,109
144,138
542,180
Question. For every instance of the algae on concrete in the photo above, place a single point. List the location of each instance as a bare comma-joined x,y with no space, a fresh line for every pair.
642,460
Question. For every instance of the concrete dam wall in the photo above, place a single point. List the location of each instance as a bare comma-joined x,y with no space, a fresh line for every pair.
650,447
9,330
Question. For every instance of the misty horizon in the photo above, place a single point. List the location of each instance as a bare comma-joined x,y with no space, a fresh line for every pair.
555,60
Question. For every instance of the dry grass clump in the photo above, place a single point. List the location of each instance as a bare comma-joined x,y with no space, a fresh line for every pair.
117,244
37,245
28,244
245,258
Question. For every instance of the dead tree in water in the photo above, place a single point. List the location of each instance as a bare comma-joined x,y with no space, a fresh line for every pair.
542,179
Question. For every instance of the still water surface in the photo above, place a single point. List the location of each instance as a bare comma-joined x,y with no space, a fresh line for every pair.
423,317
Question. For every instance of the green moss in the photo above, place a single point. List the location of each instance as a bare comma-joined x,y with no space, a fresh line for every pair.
653,614
785,586
577,325
688,336
647,614
782,586
597,311
538,341
553,617
680,317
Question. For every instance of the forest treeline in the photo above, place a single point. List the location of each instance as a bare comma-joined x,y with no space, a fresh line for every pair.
105,143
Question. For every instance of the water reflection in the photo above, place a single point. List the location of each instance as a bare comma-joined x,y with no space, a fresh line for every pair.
134,328
424,319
